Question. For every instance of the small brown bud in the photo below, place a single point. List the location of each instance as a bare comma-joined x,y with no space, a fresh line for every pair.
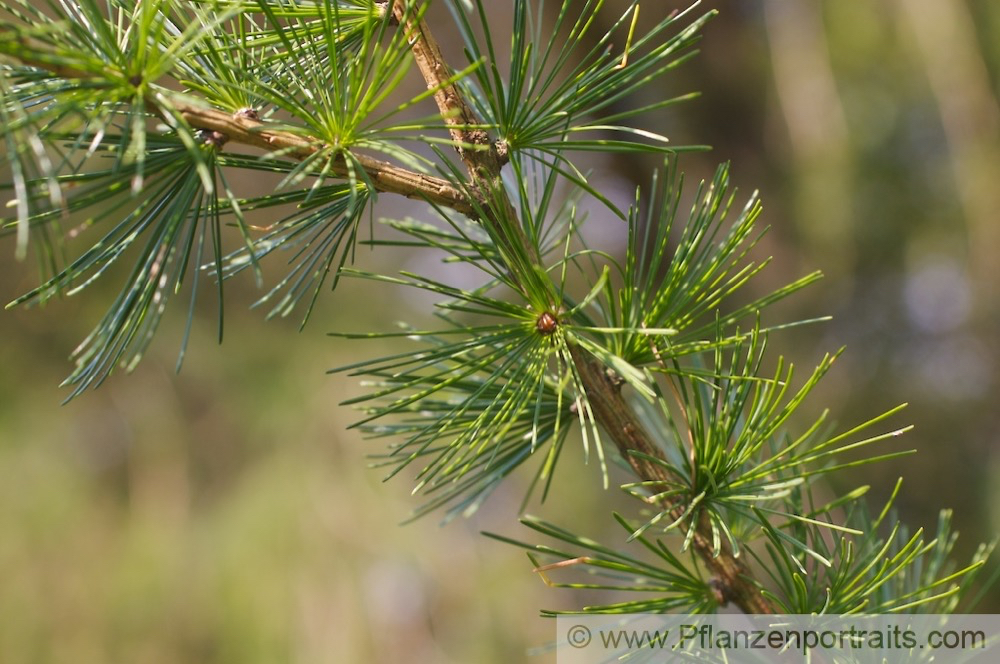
718,592
546,324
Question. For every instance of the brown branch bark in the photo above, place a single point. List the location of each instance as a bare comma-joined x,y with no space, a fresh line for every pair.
385,176
478,152
733,581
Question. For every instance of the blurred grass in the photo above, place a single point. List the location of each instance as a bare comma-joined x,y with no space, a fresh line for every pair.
225,515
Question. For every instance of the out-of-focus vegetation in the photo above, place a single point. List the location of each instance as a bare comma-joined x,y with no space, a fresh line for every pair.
225,515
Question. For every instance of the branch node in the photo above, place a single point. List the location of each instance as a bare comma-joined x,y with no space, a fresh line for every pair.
503,154
719,591
216,139
614,379
383,9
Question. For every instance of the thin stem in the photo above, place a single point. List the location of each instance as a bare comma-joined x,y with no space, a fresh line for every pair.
385,176
472,142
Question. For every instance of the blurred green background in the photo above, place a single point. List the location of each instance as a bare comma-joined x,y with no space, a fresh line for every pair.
225,515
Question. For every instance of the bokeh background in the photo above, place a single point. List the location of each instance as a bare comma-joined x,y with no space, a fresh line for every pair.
226,514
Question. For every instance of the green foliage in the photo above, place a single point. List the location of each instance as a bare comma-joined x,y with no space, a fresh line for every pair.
864,573
116,117
320,233
729,452
556,92
894,573
675,584
180,223
686,288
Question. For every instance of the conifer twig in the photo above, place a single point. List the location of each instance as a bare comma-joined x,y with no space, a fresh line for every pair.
385,176
733,580
481,157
